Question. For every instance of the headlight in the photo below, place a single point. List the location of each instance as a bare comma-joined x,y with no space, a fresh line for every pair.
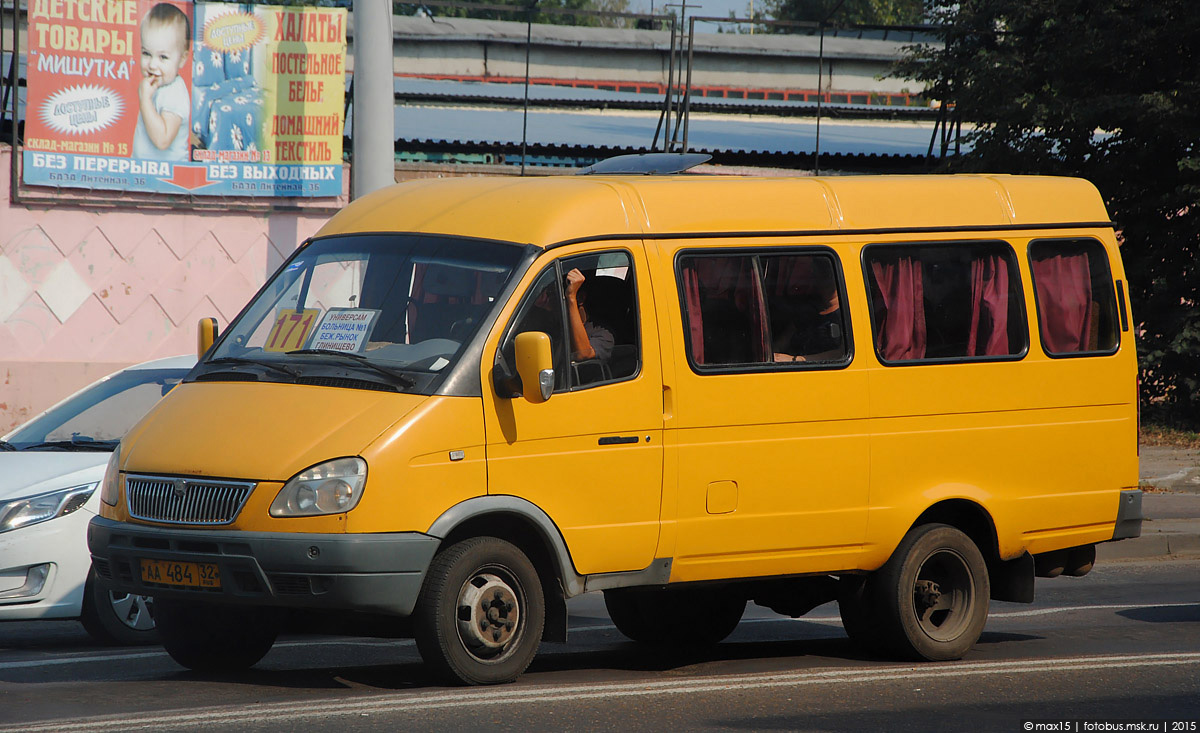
19,513
331,487
110,490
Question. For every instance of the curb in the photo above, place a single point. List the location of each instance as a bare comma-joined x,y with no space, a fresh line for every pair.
1156,544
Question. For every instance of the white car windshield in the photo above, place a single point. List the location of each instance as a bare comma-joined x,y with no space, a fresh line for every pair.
97,417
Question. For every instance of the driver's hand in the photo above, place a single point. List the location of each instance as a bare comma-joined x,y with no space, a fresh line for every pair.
575,280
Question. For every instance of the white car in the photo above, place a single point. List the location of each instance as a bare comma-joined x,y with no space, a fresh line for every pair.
50,468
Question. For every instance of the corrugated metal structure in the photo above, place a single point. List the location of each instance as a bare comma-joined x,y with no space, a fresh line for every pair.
460,97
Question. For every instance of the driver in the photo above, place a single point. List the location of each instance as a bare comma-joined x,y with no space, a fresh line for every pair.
588,340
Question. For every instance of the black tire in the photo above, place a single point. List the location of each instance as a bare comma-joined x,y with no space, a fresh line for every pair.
480,614
207,637
933,594
117,618
675,617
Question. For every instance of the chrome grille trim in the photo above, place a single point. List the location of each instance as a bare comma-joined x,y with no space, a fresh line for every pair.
185,500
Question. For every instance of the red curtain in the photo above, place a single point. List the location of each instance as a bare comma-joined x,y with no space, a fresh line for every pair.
901,329
691,298
989,307
734,281
1064,295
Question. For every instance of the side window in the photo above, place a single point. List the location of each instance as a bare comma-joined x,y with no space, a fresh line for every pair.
1077,312
759,309
587,305
602,317
543,311
957,301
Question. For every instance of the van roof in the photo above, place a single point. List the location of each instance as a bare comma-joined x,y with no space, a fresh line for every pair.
544,211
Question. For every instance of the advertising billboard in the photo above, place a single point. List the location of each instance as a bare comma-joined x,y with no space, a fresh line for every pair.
171,96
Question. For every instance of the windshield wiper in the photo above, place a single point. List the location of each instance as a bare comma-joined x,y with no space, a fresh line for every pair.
5,445
76,443
265,364
403,379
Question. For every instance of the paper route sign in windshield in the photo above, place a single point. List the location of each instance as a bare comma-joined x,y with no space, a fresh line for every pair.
344,329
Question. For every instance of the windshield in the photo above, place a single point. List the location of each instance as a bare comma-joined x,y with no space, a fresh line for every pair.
395,309
97,417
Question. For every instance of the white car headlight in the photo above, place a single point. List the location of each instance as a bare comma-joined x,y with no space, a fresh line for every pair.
110,490
18,513
331,487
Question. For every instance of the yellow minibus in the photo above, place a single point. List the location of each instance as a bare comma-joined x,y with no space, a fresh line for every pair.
466,401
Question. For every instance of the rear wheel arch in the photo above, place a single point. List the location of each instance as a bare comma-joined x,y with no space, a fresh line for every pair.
1011,579
967,517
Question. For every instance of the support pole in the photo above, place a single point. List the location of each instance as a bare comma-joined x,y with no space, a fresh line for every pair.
373,165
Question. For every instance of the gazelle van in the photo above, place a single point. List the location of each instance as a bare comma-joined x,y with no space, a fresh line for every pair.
466,401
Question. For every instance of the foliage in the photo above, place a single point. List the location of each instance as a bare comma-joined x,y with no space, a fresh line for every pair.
1107,90
520,11
1160,435
849,12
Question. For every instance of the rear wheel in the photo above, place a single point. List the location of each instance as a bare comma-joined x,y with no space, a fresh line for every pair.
113,617
215,638
675,617
480,614
933,594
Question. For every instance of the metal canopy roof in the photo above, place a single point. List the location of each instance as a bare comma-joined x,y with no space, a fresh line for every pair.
629,130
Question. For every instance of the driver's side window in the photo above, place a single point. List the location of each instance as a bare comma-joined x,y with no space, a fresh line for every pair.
587,305
541,311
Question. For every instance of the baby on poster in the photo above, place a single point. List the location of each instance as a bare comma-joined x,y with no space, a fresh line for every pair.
163,101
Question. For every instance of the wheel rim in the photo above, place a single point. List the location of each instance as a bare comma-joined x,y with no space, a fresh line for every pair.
136,612
943,595
489,613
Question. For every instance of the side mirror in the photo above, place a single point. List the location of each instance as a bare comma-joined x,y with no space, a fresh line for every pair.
535,365
206,334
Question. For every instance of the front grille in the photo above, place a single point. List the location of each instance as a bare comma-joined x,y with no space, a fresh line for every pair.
185,500
291,585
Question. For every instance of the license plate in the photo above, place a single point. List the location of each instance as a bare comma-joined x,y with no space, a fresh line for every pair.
186,574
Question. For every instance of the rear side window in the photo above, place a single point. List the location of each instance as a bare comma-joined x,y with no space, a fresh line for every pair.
763,310
945,302
1077,311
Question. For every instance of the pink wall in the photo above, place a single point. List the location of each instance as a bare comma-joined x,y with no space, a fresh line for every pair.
85,291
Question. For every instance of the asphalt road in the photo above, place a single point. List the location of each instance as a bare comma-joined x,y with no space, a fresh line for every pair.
1120,645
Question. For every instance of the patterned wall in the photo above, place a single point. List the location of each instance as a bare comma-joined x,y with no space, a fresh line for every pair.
84,292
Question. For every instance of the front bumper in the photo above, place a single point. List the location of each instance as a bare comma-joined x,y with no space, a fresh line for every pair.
379,573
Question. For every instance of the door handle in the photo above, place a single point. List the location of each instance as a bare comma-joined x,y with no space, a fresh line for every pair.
618,440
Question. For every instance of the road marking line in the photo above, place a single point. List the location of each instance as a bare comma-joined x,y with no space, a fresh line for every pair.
415,701
1102,607
827,620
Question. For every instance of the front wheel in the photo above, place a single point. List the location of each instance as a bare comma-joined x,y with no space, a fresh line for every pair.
933,594
114,617
215,638
480,614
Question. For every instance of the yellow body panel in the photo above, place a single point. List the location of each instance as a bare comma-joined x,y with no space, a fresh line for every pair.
732,475
412,477
604,499
257,431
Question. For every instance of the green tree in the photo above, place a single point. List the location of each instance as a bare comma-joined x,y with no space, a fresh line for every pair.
1108,90
849,12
